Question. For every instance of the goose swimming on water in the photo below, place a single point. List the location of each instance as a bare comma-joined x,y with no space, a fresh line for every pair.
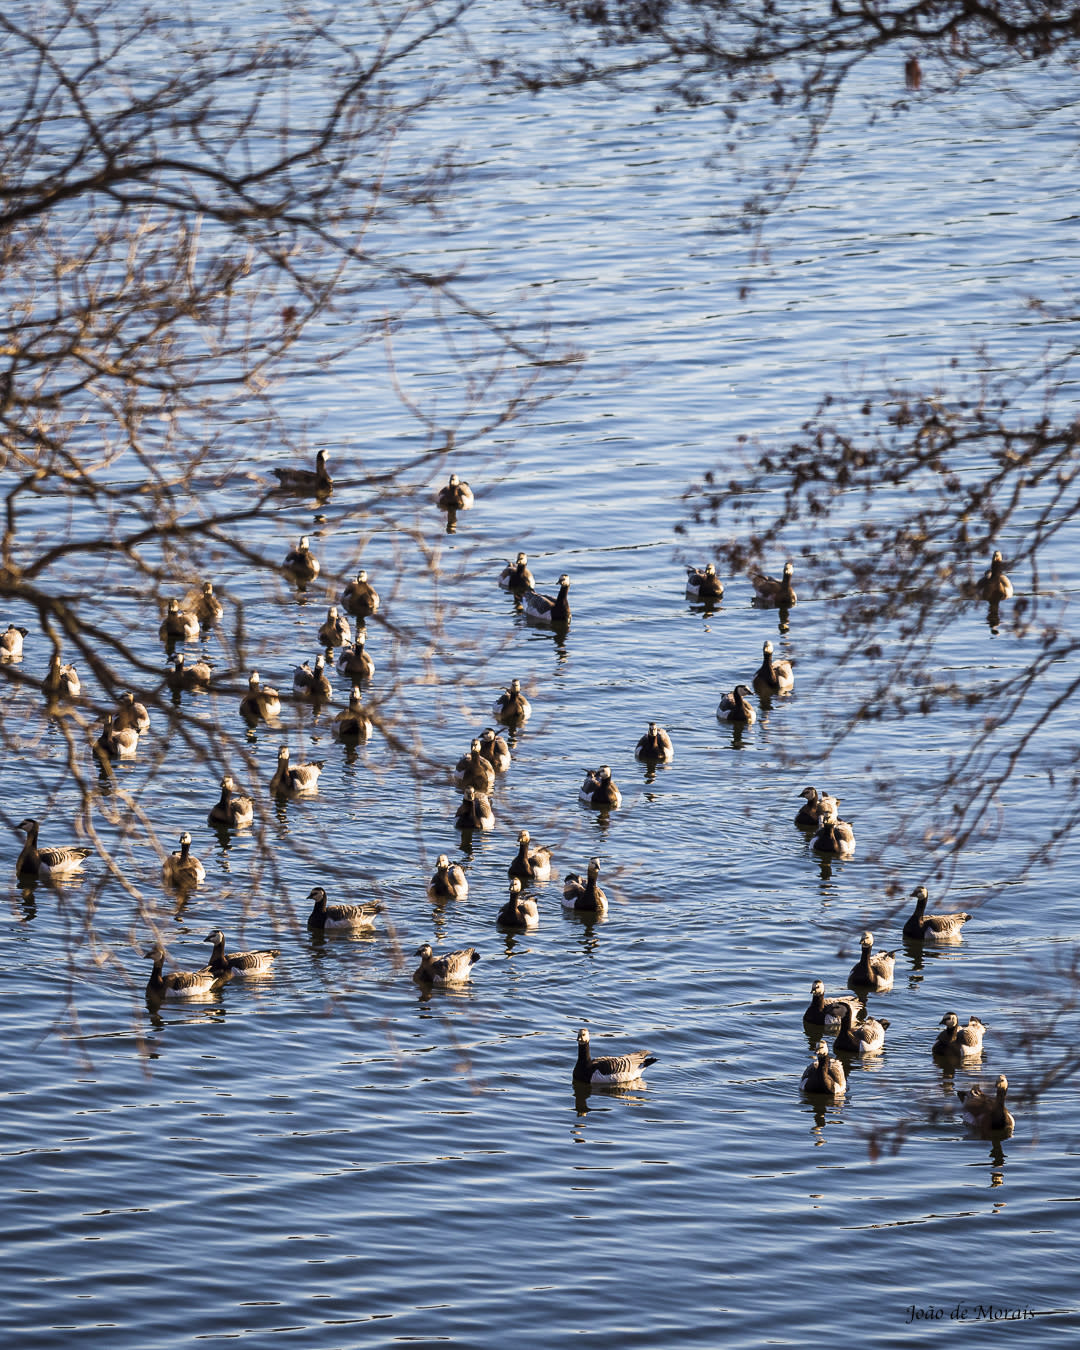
512,706
131,714
809,814
473,770
183,870
584,893
608,1068
321,690
232,810
325,917
179,983
520,911
516,576
224,963
206,607
11,642
549,610
335,631
835,838
295,780
702,583
825,1011
824,1074
448,881
995,586
260,703
353,723
313,684
865,1039
317,480
777,592
872,971
454,495
355,661
182,676
957,1042
773,677
46,862
988,1115
116,742
530,864
300,563
178,625
60,681
600,789
360,597
736,707
495,750
923,927
655,746
450,968
474,812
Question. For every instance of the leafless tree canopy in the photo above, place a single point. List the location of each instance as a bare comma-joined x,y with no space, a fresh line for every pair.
783,65
189,219
965,467
965,471
708,44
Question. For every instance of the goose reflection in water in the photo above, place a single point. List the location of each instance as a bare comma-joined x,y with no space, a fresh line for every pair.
430,996
191,1013
636,1092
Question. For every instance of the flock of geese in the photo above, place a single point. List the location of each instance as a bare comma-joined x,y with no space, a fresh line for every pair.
825,1075
955,1045
475,773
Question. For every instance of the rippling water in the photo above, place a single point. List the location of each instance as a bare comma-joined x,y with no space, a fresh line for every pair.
325,1157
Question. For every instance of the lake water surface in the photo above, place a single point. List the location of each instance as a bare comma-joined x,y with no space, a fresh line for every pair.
329,1158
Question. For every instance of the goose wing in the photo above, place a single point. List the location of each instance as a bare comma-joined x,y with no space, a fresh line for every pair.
190,981
356,914
455,966
621,1068
252,963
61,859
943,925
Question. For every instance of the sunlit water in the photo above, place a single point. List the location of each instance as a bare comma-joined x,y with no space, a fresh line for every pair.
326,1157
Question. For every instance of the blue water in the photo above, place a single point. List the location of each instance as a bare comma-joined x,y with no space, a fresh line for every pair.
328,1157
